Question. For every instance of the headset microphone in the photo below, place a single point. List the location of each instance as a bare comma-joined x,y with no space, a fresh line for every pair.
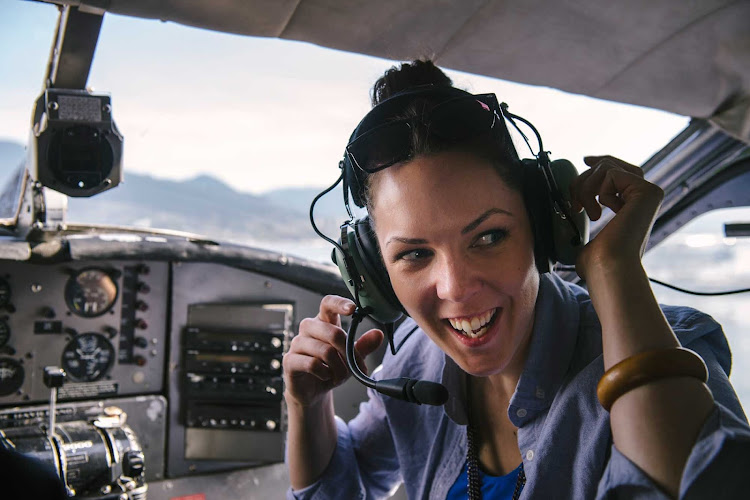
406,389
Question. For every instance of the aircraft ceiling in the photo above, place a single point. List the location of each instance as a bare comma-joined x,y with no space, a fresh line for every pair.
690,57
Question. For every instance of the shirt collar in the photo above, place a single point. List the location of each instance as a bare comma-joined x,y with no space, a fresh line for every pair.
553,339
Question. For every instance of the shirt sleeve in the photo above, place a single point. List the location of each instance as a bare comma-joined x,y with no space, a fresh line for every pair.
364,464
718,464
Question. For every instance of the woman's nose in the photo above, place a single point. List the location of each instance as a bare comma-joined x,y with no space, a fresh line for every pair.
456,281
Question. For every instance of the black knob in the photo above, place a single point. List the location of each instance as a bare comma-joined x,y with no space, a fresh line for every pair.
142,269
110,331
54,376
143,287
141,306
141,342
133,464
141,324
48,312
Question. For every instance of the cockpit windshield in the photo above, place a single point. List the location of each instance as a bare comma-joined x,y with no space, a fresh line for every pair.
232,136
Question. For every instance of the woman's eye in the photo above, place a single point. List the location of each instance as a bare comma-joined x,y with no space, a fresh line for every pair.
490,238
414,255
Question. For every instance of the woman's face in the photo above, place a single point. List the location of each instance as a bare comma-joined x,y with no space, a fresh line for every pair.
458,247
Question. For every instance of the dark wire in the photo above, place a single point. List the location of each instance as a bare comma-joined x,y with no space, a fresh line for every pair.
357,317
342,167
312,208
702,294
509,116
676,288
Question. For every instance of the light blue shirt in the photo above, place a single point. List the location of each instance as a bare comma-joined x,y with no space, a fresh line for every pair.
564,435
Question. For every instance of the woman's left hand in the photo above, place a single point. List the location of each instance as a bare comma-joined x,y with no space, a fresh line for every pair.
621,187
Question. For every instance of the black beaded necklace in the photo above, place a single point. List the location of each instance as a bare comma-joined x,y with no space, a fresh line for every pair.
472,459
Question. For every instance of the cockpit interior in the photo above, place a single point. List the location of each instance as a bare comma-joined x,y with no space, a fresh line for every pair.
146,363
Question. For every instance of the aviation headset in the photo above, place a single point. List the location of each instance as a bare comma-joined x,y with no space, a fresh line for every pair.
558,233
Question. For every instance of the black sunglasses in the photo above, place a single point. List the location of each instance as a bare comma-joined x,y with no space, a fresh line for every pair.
453,121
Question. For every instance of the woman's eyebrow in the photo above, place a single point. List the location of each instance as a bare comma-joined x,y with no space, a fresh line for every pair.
475,223
408,241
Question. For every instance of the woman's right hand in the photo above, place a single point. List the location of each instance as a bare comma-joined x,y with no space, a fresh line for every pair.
316,360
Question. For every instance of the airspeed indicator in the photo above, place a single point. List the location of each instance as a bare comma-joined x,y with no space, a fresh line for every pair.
90,292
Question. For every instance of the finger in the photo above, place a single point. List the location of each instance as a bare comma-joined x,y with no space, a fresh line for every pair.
611,201
332,306
588,190
628,167
625,185
323,331
366,345
592,186
325,352
296,364
615,187
369,342
575,189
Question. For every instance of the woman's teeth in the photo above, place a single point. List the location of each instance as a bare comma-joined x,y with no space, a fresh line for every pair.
475,326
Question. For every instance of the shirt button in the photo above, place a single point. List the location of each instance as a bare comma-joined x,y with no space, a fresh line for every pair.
539,393
530,455
521,413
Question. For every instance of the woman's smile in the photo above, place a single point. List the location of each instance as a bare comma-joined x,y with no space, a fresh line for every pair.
473,326
478,330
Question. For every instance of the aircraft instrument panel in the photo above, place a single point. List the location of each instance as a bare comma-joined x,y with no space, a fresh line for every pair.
171,371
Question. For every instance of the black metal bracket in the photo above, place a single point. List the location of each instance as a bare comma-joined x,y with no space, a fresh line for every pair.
73,49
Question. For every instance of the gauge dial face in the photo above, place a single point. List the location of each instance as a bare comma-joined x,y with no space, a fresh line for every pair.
88,357
4,332
4,293
11,376
90,293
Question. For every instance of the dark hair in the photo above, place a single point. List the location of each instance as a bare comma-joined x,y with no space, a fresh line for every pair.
495,147
408,75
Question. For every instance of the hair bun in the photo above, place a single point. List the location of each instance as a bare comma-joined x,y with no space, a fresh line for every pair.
408,75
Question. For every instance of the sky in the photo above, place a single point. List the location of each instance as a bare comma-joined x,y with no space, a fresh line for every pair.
264,113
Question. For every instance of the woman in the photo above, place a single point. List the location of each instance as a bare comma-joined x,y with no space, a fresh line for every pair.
520,350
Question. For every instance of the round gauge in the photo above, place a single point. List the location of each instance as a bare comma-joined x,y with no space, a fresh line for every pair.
4,293
88,357
11,376
4,332
90,292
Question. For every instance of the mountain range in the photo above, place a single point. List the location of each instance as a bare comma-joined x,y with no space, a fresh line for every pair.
203,205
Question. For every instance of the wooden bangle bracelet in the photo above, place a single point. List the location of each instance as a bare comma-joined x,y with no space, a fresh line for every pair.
646,367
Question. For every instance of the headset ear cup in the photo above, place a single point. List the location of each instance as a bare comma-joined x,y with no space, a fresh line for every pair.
566,244
536,198
362,278
370,255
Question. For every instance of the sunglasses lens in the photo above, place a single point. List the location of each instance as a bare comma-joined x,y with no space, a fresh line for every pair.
462,118
381,147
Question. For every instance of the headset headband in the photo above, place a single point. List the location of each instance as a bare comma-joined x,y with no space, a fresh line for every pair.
392,106
392,109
